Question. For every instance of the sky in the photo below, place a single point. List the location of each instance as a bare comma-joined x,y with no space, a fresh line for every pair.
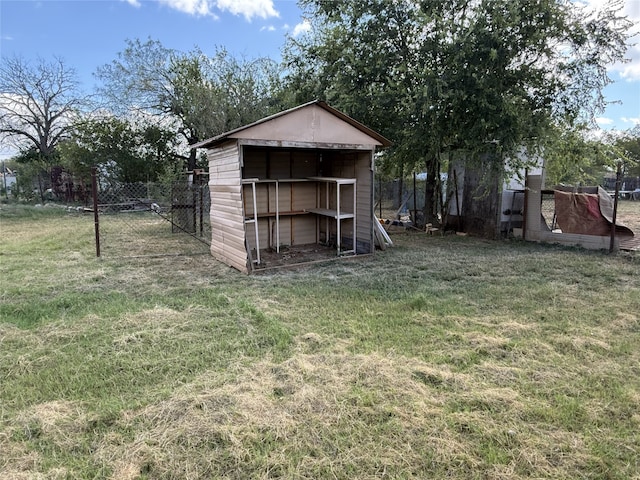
87,34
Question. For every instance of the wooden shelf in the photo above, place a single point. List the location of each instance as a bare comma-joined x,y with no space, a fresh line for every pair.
322,184
249,181
327,212
282,214
338,214
336,180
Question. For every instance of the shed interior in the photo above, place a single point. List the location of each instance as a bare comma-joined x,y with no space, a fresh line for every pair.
295,197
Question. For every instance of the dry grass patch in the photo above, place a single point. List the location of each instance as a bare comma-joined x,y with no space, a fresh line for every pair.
308,416
629,214
440,358
16,459
343,415
59,423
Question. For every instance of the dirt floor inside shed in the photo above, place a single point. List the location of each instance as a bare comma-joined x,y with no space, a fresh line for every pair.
296,255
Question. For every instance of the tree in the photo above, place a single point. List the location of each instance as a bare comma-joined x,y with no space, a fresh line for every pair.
362,57
200,96
128,152
629,147
38,103
575,156
473,78
571,158
34,174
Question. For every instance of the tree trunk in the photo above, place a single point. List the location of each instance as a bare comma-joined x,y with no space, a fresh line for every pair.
191,163
481,200
432,191
400,184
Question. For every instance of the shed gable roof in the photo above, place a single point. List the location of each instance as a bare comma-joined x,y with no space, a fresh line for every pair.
313,122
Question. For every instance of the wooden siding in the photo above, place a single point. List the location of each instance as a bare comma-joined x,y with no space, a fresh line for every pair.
227,220
285,231
255,163
304,164
263,163
284,197
263,234
303,196
311,124
280,164
262,199
303,230
364,176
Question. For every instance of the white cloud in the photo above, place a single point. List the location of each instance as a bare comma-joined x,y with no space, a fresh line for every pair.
604,121
632,121
630,8
630,70
133,3
269,28
191,7
301,28
249,8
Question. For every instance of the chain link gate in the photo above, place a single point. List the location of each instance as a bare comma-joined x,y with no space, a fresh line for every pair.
153,218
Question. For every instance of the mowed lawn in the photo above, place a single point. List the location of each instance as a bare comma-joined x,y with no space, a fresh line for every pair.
443,357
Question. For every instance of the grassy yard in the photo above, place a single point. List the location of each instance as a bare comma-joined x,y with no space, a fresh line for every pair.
443,357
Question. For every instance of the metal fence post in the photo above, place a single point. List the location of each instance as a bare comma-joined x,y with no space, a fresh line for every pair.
96,217
615,206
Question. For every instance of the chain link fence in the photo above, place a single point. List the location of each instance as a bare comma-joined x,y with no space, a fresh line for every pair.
548,209
400,198
147,219
154,219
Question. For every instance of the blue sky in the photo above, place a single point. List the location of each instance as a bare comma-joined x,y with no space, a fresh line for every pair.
89,33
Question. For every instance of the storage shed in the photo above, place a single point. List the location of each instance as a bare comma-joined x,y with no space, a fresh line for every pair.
300,180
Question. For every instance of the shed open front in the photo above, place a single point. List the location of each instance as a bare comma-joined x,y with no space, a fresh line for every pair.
292,188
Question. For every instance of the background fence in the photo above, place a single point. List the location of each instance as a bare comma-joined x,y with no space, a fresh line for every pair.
143,219
399,197
153,219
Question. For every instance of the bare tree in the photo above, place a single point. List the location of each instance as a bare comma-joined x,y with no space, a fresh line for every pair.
38,103
203,96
